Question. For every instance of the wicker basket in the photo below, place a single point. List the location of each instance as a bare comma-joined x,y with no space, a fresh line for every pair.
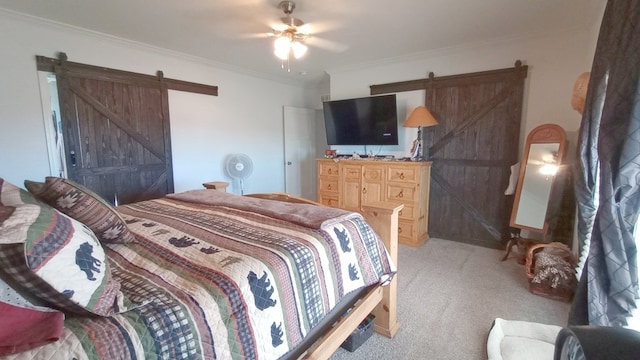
551,271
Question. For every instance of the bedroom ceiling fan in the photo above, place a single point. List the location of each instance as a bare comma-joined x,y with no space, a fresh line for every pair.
293,35
290,36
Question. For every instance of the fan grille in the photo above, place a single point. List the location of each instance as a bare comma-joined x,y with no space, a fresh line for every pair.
239,167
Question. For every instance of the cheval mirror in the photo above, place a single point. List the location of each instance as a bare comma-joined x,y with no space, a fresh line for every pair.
543,154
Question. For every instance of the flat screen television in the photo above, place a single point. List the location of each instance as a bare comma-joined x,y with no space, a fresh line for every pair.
362,121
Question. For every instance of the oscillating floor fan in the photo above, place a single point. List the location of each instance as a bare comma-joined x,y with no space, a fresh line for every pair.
239,167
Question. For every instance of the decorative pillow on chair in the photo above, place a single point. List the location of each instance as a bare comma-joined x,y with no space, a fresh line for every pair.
83,205
54,257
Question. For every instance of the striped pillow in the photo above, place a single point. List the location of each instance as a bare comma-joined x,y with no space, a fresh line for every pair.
54,257
83,205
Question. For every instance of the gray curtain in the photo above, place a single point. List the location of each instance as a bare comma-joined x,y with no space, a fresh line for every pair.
608,173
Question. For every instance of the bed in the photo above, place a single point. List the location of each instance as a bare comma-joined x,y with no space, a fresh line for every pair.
196,275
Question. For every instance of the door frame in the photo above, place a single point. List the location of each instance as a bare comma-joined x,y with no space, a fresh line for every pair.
300,174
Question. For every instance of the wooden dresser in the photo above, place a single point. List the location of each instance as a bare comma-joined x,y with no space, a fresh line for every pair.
348,184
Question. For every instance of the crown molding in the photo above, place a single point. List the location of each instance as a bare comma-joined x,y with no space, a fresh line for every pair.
450,50
149,48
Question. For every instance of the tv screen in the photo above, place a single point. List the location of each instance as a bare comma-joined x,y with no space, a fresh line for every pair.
362,121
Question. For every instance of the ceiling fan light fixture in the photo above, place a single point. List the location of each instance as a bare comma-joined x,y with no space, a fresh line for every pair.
282,47
280,54
289,41
299,49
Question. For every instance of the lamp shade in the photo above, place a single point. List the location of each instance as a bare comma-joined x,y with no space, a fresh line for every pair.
420,116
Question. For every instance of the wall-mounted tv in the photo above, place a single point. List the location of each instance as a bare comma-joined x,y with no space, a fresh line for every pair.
362,121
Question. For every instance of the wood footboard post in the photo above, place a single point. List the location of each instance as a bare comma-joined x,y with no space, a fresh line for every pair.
383,218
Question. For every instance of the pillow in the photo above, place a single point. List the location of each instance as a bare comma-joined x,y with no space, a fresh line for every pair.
25,325
25,329
83,205
5,212
55,258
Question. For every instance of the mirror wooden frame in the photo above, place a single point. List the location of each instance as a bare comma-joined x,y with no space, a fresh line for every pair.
543,134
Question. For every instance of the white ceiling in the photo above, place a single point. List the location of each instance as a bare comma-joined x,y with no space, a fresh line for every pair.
346,33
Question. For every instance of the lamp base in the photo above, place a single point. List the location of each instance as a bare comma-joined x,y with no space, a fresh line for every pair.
417,156
416,150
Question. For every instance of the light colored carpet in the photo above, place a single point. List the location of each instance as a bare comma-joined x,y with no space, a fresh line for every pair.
449,293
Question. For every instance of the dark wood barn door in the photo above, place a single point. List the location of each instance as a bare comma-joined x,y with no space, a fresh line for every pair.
116,128
116,132
115,137
472,150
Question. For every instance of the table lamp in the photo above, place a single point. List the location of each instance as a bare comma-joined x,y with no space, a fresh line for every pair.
420,117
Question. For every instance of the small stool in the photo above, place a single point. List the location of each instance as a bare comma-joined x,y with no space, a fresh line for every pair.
216,185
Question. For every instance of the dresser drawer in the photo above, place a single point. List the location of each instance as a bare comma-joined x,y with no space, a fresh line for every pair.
403,174
407,212
329,200
373,173
351,172
406,230
328,184
401,193
328,169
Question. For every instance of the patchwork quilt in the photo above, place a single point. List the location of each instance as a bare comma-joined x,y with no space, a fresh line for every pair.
218,276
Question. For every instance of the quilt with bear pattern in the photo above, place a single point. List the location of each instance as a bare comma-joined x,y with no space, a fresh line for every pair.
236,278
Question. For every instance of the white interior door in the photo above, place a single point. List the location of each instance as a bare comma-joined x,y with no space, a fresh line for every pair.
300,152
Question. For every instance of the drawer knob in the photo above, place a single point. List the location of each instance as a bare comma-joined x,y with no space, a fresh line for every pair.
364,190
329,187
402,176
400,194
400,213
399,230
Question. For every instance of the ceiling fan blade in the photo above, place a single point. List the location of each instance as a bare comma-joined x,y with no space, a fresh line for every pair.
278,26
326,44
316,27
263,35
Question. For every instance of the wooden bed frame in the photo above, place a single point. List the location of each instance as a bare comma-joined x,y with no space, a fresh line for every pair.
381,300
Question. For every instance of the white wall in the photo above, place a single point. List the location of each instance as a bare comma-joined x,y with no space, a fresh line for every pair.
554,64
246,116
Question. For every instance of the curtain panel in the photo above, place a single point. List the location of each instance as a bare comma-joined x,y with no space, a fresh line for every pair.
608,173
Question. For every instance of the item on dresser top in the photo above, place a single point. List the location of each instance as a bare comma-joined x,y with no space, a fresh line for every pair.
330,154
